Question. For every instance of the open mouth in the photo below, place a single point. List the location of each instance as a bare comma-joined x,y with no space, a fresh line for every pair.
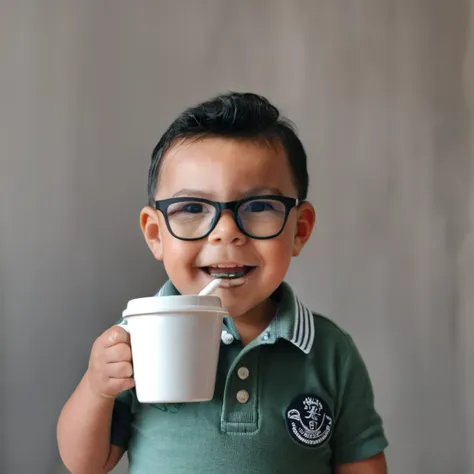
228,272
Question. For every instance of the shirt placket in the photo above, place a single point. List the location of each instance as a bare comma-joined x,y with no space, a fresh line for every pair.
240,407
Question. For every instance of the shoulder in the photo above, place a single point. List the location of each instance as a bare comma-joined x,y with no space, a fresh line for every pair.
328,326
329,333
336,358
333,345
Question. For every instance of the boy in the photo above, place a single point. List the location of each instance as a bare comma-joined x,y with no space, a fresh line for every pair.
227,193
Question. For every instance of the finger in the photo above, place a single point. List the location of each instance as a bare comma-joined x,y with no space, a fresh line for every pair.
118,353
119,370
120,385
115,335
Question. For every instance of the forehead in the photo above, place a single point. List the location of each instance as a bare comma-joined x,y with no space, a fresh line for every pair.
224,169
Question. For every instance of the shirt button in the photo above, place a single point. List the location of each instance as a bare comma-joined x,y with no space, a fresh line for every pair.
243,396
243,373
227,338
266,336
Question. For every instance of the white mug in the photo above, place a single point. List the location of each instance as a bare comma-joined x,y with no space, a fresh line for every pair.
175,344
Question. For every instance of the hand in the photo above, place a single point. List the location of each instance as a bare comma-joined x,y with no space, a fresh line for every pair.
110,364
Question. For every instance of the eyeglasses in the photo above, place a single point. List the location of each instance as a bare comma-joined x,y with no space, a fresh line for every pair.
258,217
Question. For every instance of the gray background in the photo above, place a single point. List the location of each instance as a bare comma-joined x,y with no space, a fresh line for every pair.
381,91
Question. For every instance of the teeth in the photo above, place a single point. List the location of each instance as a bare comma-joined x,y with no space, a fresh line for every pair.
228,275
227,265
228,271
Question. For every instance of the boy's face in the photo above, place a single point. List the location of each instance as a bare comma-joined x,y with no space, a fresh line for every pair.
225,170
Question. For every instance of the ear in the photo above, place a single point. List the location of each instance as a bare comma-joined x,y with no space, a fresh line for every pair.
150,225
306,219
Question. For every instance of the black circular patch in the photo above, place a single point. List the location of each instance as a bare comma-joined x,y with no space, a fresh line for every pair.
309,420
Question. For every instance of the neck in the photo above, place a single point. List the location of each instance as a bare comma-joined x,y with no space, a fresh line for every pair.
251,324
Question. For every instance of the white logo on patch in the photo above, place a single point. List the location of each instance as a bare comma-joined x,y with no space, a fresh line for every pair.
309,420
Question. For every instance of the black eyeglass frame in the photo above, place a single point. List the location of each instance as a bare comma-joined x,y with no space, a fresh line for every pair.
233,206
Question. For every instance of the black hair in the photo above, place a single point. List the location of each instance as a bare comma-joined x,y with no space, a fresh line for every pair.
234,115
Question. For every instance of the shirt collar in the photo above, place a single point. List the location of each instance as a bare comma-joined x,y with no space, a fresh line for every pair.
293,322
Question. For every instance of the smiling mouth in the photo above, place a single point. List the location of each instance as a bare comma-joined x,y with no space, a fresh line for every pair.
227,272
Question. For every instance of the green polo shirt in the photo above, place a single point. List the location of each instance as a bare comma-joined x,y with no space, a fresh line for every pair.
297,399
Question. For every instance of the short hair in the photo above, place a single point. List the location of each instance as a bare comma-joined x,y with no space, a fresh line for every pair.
234,115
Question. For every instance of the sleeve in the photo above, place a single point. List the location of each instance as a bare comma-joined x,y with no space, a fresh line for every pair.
121,420
358,431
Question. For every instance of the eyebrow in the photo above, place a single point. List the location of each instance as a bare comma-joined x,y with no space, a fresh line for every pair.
261,190
191,193
258,191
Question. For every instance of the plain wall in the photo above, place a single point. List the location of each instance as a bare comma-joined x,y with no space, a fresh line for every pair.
465,307
381,92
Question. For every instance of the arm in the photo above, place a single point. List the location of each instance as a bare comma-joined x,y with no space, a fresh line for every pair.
84,432
373,465
84,426
358,440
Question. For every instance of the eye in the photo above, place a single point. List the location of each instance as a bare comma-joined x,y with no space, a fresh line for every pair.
260,206
187,208
193,208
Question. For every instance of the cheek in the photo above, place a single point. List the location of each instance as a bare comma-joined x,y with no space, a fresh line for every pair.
277,253
179,255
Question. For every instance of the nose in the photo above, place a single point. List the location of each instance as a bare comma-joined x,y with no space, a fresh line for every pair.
227,231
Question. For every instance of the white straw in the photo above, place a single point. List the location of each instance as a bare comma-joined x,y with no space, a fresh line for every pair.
209,289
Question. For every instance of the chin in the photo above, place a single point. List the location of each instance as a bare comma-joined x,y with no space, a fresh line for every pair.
231,303
235,312
238,305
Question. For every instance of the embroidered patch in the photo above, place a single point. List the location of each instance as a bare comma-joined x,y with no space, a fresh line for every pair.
309,420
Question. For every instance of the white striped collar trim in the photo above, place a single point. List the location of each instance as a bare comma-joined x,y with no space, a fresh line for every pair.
303,329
